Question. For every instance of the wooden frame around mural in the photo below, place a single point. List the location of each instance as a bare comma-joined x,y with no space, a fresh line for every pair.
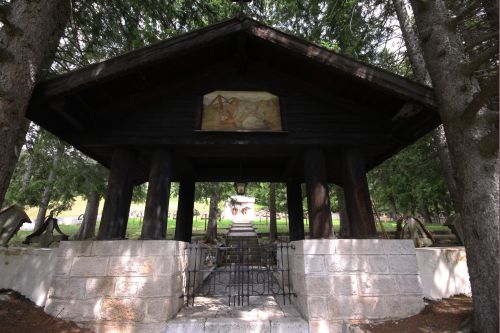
240,111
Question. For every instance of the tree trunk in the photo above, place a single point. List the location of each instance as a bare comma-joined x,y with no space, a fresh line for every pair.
29,36
417,61
426,214
444,157
412,43
212,213
344,231
273,231
392,206
473,145
27,172
87,229
47,190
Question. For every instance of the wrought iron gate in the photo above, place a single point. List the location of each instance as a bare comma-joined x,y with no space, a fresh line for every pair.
239,271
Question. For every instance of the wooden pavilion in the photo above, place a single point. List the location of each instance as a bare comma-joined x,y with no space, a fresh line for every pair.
140,115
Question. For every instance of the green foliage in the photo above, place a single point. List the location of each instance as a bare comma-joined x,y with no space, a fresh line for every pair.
413,178
261,193
140,192
75,174
222,190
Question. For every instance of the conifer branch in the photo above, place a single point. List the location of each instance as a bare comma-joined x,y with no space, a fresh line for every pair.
480,59
488,91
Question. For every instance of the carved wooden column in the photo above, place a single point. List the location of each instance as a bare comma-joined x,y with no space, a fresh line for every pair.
118,195
320,218
156,210
357,196
184,222
295,210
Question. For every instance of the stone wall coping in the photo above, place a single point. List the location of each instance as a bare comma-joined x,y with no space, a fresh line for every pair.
121,248
26,250
441,248
354,246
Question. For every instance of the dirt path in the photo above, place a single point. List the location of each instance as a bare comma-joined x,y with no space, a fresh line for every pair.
19,315
443,316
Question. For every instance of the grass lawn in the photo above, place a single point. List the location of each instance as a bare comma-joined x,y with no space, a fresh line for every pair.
199,227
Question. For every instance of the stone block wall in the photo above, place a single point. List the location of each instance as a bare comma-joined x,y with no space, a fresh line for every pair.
341,280
443,271
28,271
122,286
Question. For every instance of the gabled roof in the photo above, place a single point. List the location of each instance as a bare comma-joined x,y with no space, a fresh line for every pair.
146,56
86,107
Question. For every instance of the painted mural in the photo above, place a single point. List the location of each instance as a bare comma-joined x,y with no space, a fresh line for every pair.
241,111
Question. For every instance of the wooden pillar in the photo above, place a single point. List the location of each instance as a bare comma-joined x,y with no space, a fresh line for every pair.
118,195
357,196
156,210
344,231
184,222
320,218
295,210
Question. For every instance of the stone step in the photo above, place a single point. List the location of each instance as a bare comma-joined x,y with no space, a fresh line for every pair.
242,229
237,325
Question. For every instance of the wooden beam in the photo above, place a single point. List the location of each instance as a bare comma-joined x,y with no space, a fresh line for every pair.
138,59
156,210
383,80
357,196
118,196
141,58
320,218
184,222
408,110
295,210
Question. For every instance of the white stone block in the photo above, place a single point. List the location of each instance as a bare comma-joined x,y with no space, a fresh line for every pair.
167,265
128,286
160,286
319,285
63,266
403,264
75,248
359,246
99,287
298,264
314,263
79,310
357,263
161,309
289,325
326,326
131,266
123,309
72,288
443,272
345,285
225,325
317,307
409,284
356,307
123,327
163,248
398,246
28,271
314,246
376,285
89,266
186,325
109,248
403,306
